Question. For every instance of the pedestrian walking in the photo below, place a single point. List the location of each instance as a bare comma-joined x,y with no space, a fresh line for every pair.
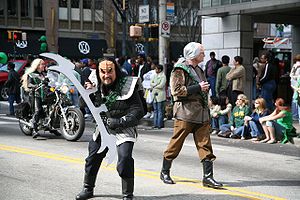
189,88
13,87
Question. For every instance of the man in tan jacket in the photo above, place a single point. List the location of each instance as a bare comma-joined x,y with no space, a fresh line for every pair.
237,77
189,88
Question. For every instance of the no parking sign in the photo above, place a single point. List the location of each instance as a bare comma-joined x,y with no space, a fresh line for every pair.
165,28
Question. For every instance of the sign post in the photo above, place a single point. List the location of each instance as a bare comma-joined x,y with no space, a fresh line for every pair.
165,29
143,13
170,12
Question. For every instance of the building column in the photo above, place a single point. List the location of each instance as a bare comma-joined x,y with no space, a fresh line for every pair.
51,24
231,35
295,40
110,25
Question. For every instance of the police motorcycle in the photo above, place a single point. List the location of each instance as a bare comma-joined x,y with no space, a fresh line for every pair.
61,118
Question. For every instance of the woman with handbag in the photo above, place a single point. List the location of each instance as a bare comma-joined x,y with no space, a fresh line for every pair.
158,85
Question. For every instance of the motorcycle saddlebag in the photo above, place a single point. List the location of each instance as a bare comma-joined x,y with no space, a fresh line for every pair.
22,110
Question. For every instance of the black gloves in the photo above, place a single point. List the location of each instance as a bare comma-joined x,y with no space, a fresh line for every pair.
114,123
111,123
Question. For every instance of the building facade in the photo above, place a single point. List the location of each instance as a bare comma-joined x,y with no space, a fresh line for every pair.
73,28
228,26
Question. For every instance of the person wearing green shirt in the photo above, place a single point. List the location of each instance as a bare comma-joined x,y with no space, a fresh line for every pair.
278,124
236,123
221,83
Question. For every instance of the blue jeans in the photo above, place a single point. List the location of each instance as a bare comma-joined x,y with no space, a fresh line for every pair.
11,100
212,82
158,120
216,122
295,110
256,129
74,96
267,91
226,127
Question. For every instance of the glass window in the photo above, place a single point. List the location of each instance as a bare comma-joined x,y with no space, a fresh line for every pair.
63,10
25,8
225,2
246,0
99,10
1,9
75,12
38,8
87,12
235,1
63,3
206,3
12,7
215,2
74,3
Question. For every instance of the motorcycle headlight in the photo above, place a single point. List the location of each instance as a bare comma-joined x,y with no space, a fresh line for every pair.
52,89
72,90
64,89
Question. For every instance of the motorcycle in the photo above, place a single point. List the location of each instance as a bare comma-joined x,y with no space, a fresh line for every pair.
61,118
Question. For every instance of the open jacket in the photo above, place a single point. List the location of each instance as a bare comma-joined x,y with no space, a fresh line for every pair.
238,77
190,101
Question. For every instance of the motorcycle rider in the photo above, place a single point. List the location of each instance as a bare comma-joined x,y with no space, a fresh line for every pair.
120,94
31,79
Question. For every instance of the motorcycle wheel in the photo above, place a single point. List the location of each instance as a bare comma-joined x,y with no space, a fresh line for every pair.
76,123
25,129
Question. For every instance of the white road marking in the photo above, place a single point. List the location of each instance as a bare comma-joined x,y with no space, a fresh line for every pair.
7,123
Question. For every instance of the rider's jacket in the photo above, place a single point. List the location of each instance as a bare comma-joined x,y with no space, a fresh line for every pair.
34,80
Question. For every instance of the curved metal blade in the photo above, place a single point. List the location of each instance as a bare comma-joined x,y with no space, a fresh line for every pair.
66,67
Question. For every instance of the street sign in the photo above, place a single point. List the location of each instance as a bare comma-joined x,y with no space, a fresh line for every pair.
170,12
143,13
165,28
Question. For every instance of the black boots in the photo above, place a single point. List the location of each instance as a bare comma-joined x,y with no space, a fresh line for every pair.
208,179
88,188
127,188
165,172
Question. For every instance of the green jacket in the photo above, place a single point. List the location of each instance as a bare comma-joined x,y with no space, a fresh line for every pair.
158,83
237,115
221,82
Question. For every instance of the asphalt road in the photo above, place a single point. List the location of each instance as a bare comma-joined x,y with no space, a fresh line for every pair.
53,169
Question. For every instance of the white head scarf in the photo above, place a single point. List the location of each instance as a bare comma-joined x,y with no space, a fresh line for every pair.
191,50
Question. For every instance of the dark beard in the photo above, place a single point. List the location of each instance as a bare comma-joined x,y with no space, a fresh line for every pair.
107,88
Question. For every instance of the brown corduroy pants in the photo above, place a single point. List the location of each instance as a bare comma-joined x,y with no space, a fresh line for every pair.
201,137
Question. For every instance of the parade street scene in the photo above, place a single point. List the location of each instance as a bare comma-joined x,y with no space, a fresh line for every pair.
145,99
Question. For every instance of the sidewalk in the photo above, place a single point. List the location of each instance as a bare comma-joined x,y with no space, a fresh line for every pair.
170,124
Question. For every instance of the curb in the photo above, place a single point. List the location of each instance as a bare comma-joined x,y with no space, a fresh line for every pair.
170,124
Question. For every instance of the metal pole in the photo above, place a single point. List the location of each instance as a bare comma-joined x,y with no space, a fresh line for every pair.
146,32
124,33
162,43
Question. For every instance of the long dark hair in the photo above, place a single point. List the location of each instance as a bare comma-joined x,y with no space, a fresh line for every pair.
222,101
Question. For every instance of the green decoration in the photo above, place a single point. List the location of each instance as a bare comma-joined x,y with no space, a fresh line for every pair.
3,58
43,38
43,47
113,95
